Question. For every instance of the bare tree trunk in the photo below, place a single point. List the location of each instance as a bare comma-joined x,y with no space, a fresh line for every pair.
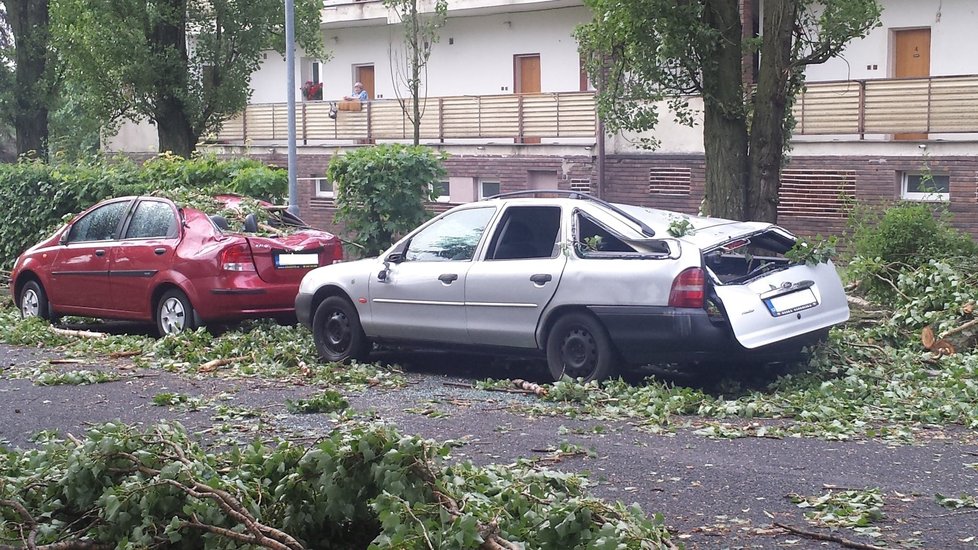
173,126
776,85
29,23
416,73
725,124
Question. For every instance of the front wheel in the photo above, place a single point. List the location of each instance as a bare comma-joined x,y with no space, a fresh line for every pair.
337,331
174,314
34,301
579,347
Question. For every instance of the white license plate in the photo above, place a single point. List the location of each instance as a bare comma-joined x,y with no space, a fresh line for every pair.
306,259
790,303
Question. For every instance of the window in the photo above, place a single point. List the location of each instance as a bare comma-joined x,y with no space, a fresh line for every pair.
324,188
526,232
488,189
442,191
152,219
452,237
100,224
925,187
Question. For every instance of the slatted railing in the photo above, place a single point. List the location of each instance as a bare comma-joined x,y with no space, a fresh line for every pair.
940,104
943,104
551,115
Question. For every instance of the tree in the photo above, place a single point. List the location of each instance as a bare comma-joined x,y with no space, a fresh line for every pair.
383,190
650,51
182,64
420,34
31,91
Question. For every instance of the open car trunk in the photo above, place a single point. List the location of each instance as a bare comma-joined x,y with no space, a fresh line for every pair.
767,298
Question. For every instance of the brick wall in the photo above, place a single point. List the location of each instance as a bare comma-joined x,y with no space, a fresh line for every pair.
628,179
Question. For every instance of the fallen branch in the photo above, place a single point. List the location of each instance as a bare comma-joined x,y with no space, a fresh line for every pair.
65,361
530,386
121,354
831,538
31,541
214,364
471,387
79,333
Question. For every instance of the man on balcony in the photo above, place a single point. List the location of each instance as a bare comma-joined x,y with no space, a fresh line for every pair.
359,93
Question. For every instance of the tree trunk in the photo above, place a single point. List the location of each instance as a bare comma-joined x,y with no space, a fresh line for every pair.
29,23
776,85
724,120
416,46
173,125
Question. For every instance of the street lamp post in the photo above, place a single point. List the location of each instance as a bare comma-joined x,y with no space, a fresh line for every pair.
290,95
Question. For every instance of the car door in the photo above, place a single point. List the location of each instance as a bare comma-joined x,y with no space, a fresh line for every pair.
507,291
80,271
421,296
146,249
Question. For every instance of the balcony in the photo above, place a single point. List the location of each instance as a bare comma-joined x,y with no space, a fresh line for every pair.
523,117
938,105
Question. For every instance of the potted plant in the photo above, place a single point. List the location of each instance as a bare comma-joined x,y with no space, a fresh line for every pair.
312,90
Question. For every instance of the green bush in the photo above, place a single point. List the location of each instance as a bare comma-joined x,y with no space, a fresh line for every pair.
37,196
383,190
905,235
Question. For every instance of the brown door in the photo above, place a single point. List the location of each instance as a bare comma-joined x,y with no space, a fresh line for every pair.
911,55
526,76
365,76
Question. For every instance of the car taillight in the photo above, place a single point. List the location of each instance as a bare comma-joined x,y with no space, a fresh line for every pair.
332,253
688,289
237,258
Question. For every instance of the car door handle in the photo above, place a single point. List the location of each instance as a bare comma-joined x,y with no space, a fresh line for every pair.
541,278
159,251
100,253
448,278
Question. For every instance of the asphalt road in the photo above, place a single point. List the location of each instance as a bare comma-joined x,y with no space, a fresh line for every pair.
713,493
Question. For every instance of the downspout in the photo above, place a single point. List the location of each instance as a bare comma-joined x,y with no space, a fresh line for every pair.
600,139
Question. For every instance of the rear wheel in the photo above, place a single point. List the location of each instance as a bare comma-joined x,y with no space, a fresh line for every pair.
174,313
579,347
337,331
34,301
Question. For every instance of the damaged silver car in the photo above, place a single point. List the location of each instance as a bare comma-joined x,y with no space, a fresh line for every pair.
593,287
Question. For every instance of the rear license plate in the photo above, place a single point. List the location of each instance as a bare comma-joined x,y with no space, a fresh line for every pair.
790,303
297,259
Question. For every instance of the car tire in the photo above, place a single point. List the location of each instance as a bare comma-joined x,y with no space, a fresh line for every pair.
579,347
174,313
34,301
337,331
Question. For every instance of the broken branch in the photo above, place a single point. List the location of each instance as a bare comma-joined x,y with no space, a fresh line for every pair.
831,538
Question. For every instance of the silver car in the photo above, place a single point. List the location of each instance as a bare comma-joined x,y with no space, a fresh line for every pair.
593,287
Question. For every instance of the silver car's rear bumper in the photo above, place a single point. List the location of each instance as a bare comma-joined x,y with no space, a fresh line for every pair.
647,334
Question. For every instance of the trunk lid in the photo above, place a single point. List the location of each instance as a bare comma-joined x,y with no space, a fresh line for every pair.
288,258
767,298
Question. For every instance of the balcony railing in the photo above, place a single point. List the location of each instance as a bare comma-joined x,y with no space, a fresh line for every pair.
945,104
940,104
551,115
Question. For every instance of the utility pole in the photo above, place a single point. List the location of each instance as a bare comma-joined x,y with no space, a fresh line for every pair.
290,95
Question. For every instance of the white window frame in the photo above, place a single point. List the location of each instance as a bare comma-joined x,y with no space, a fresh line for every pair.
444,198
482,188
905,194
330,194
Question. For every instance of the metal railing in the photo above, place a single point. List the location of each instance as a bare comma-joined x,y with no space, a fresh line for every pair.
939,104
942,104
550,115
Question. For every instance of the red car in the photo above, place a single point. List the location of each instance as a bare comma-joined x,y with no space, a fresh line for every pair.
148,259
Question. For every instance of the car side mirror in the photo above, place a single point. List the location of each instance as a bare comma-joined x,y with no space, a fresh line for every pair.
394,258
63,239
